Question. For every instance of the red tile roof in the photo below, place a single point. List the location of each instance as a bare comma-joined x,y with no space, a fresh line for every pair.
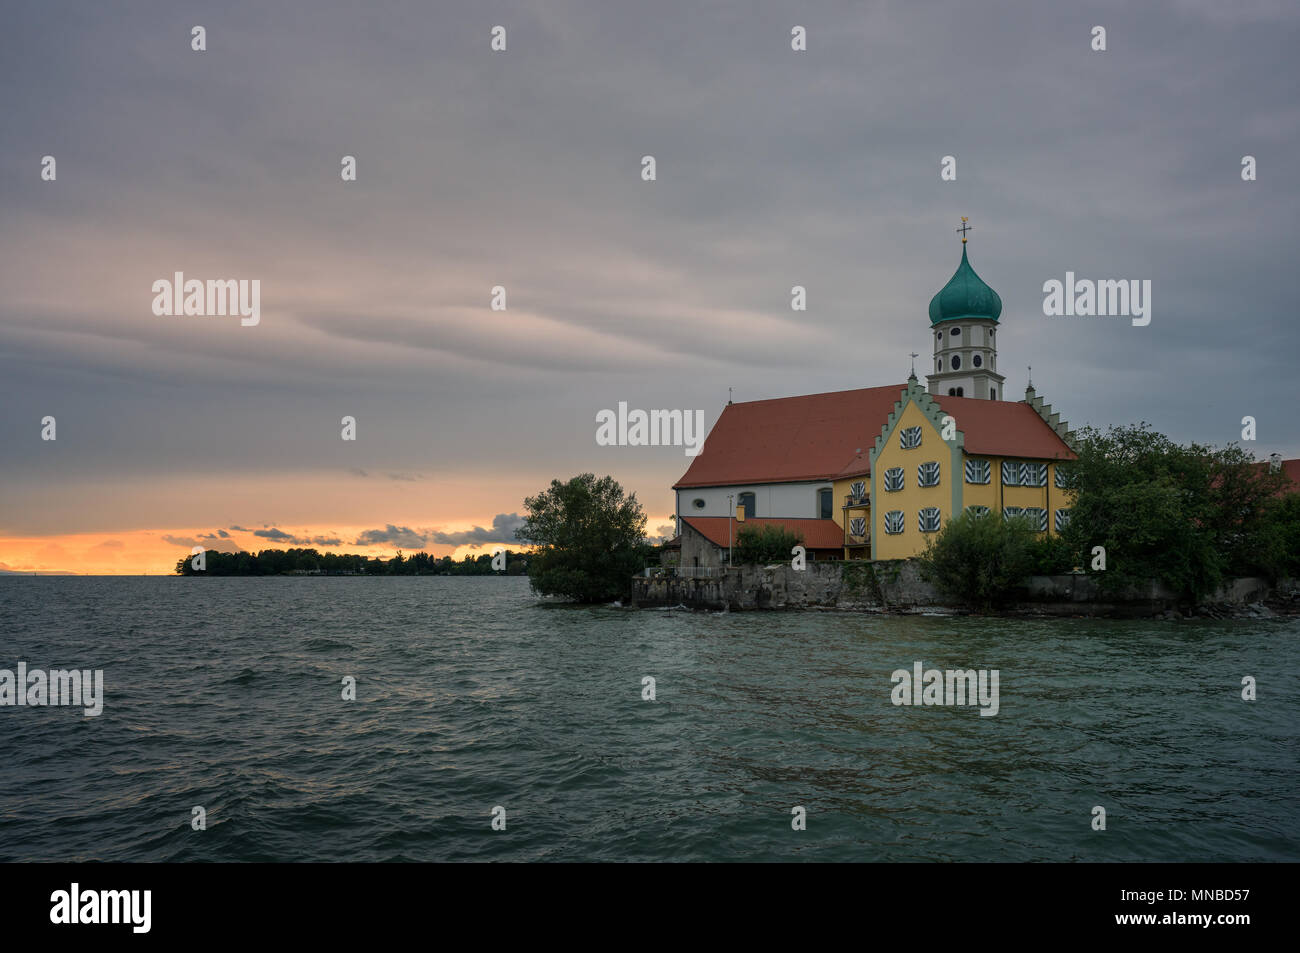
1004,428
829,436
816,534
789,439
1292,469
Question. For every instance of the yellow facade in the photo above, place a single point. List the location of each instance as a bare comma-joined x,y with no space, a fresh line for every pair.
996,496
950,496
848,506
913,497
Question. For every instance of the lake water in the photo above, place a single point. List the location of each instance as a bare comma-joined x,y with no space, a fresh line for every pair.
226,693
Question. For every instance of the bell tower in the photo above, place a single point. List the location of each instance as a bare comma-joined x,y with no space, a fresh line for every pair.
964,322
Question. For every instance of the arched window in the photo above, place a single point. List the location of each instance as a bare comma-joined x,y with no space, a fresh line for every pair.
959,393
956,362
993,393
747,501
952,392
977,360
824,504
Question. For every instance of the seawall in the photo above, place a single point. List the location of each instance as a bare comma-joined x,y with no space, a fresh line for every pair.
898,587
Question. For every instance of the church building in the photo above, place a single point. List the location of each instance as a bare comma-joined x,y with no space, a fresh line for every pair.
873,473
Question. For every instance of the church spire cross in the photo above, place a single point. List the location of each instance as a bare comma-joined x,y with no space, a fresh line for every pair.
914,357
964,228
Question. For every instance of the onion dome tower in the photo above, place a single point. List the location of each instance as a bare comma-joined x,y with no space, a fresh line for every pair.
964,321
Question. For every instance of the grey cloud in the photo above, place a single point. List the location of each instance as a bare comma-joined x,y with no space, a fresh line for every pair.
390,536
502,531
775,169
280,536
275,534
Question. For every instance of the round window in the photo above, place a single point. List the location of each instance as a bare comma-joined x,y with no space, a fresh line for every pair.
697,503
956,361
977,360
955,331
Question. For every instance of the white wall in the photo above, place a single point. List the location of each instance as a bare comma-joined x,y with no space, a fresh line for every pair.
775,500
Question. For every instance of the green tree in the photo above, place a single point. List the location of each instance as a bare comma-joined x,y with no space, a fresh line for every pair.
588,539
764,544
1188,515
981,559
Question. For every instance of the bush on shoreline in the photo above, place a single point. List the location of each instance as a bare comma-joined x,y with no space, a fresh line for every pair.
981,559
588,538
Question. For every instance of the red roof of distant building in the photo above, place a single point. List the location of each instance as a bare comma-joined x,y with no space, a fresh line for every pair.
829,436
1292,469
816,534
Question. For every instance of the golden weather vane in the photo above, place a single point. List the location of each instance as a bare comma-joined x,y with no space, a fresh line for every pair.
964,228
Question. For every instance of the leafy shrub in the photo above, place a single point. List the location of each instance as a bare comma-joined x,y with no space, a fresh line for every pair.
981,559
764,544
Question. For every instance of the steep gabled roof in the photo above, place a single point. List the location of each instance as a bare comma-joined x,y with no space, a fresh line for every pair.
1004,428
789,439
829,436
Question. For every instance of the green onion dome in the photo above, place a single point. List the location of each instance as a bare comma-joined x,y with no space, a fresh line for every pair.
965,296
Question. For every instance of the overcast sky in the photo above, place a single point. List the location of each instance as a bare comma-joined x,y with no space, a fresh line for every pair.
522,169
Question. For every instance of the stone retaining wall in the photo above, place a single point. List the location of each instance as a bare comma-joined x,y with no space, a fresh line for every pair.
897,587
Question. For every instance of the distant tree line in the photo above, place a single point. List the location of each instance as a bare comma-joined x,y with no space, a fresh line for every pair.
277,562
